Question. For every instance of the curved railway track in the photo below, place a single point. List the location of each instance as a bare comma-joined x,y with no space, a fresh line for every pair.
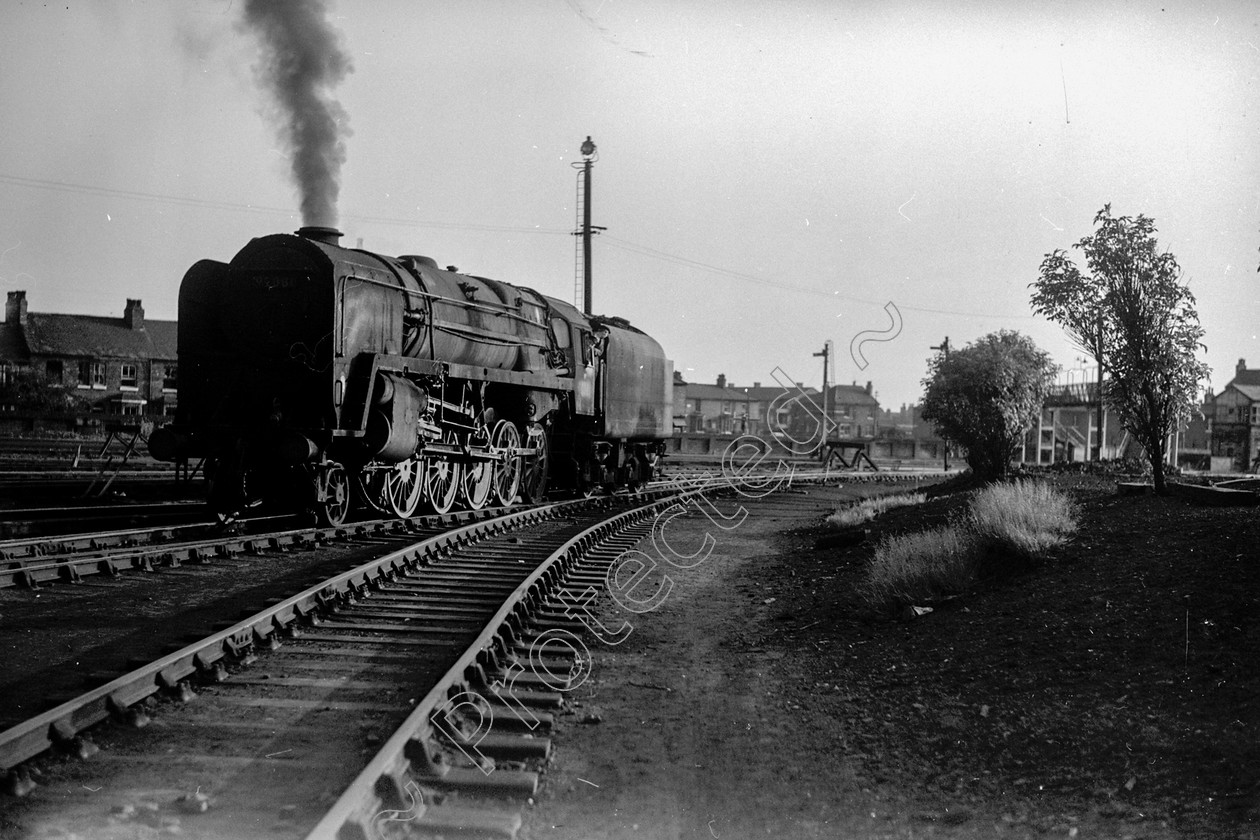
422,642
294,697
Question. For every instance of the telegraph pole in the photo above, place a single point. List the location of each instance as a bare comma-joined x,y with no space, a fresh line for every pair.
826,357
944,348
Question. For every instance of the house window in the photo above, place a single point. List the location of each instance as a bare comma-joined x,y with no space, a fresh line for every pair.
169,377
131,408
6,373
53,369
129,380
91,374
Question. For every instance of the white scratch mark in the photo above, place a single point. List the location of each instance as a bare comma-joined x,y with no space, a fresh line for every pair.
711,831
907,201
592,784
1052,224
5,252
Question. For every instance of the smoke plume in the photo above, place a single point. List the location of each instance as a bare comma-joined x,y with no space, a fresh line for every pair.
302,61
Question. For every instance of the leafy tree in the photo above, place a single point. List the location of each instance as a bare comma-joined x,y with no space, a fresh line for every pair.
1149,328
986,396
1076,302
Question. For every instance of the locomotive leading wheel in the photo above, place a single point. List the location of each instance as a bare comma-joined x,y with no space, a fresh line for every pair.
536,466
441,480
404,485
332,502
507,473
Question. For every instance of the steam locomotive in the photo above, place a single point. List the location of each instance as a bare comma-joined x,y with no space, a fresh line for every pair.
319,377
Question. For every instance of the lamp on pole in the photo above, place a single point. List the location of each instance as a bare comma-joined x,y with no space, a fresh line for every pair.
588,160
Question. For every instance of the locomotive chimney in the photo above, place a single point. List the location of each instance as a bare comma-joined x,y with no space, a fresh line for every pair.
327,235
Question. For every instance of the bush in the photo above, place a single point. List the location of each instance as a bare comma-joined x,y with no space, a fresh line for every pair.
868,509
1007,527
922,567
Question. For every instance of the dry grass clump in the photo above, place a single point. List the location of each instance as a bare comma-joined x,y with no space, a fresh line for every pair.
922,567
1007,526
1023,517
868,509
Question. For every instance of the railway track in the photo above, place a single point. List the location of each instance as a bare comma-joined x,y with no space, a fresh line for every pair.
299,694
33,561
32,525
293,699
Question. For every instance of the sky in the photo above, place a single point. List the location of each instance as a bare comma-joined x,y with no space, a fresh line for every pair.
771,176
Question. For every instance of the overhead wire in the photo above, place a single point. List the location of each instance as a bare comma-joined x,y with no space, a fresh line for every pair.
644,250
613,241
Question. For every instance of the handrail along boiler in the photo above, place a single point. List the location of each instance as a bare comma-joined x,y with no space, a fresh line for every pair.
317,376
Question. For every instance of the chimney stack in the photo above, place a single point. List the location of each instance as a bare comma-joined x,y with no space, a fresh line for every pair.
721,380
317,233
15,308
868,386
1238,371
133,315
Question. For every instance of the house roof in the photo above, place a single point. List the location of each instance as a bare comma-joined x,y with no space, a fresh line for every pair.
852,395
700,391
766,393
98,337
1245,377
1251,392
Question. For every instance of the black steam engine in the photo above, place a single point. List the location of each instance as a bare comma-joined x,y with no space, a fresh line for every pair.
317,376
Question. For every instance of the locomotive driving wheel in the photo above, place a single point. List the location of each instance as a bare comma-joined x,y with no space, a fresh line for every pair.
332,502
404,485
478,481
536,466
441,479
507,472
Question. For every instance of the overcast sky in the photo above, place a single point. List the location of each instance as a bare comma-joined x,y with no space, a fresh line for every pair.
771,174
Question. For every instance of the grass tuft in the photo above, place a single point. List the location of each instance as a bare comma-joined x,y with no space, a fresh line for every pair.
1007,526
922,567
868,509
1023,517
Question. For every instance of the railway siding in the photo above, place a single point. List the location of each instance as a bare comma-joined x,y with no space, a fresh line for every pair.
404,602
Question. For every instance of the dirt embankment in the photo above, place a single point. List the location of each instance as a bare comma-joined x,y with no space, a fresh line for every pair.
1113,692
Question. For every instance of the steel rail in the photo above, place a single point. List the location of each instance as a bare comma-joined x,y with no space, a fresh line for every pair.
353,812
64,724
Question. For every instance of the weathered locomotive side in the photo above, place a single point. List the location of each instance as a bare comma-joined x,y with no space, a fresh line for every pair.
315,375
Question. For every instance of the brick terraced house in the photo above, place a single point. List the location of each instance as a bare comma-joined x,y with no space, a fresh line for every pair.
1236,423
119,366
